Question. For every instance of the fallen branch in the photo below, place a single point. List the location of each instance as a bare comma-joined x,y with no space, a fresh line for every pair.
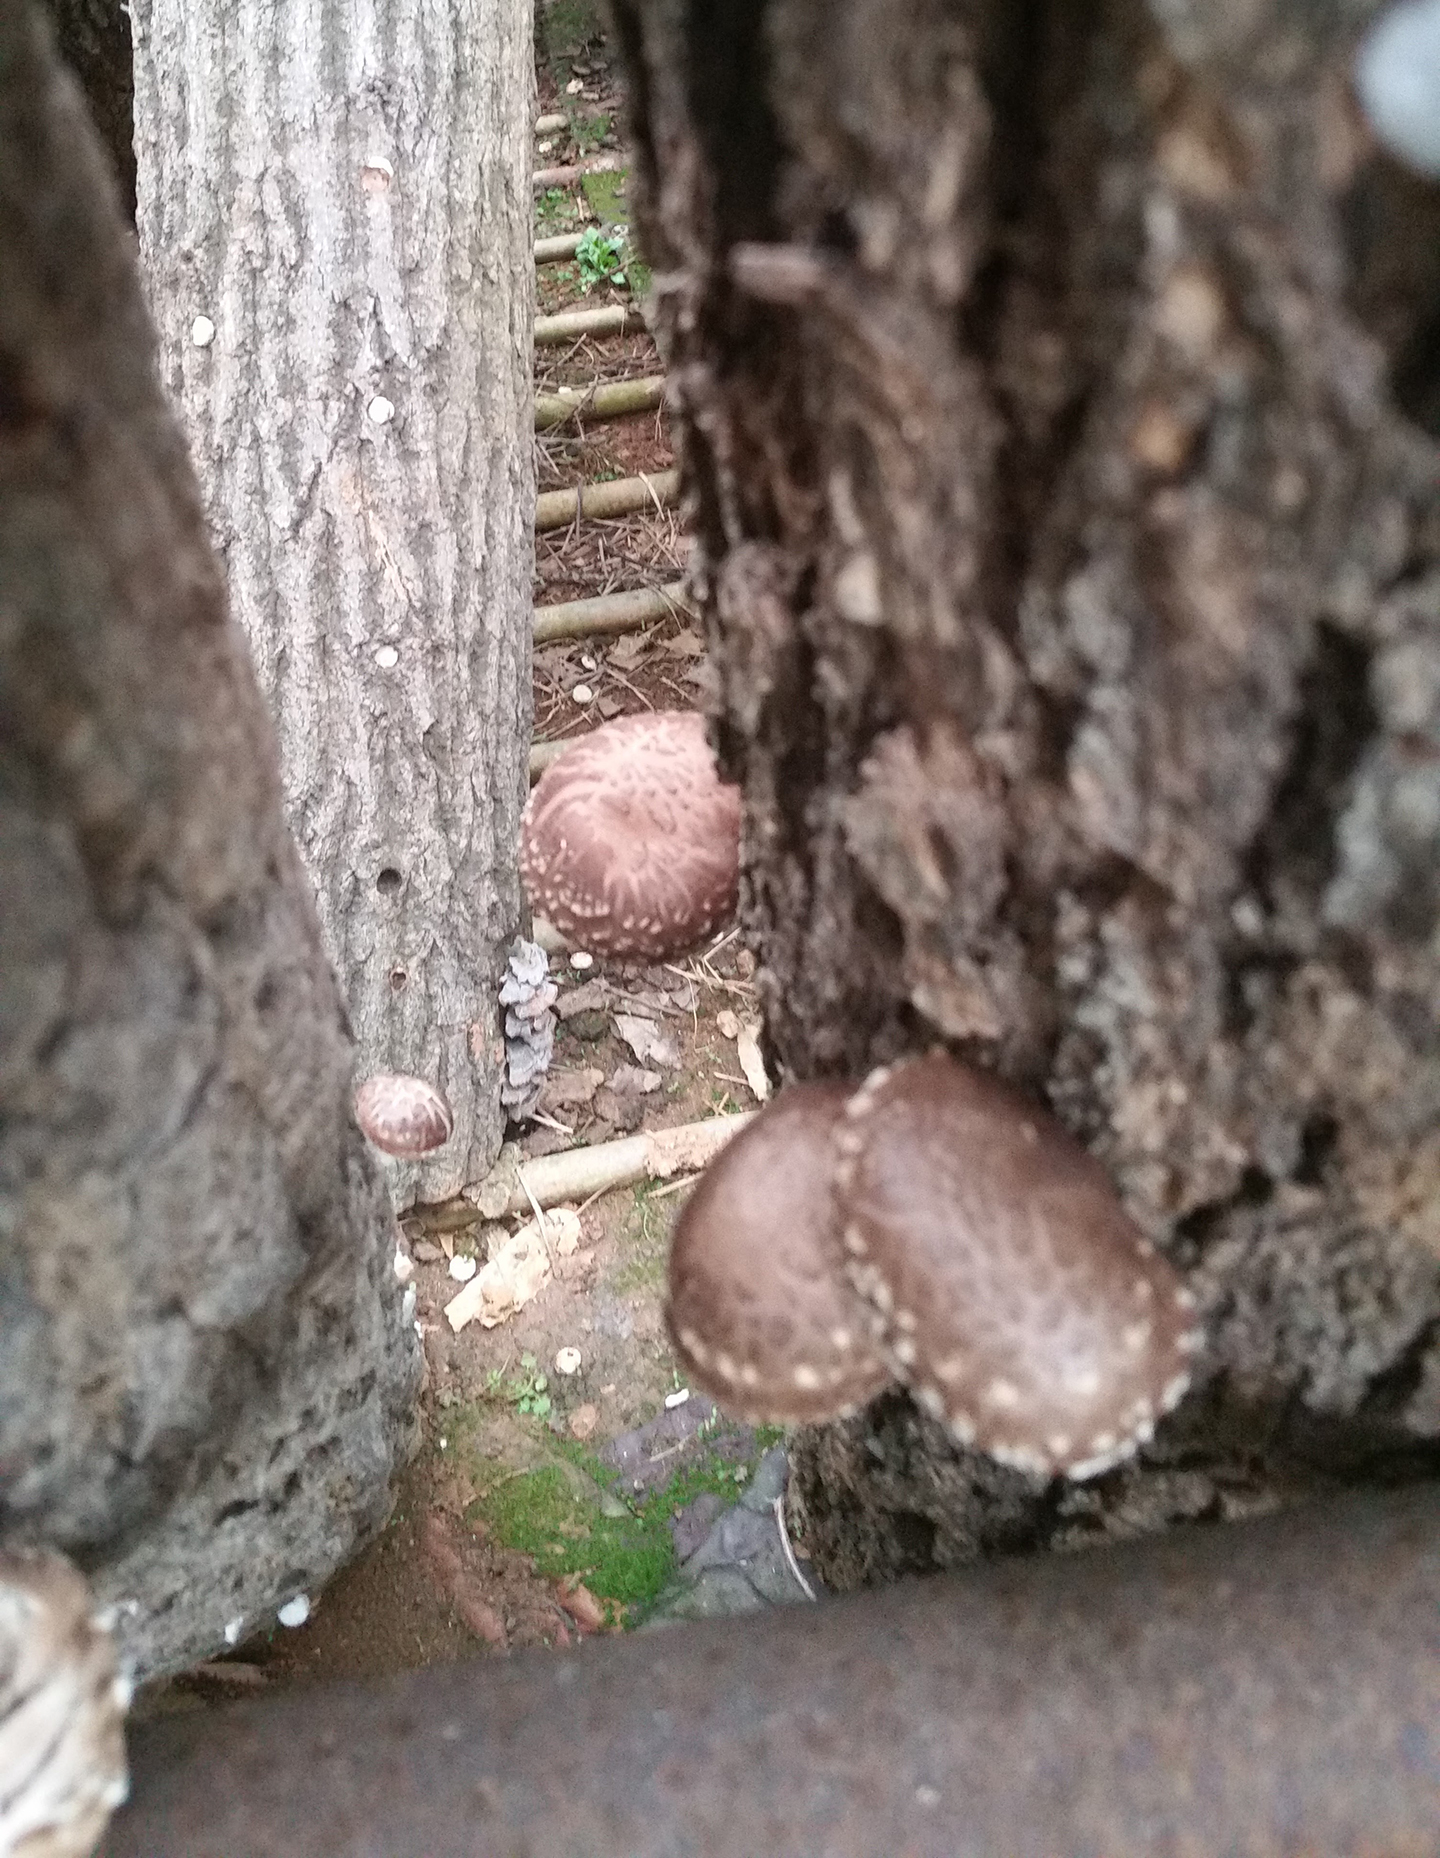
579,1173
568,325
610,400
577,170
552,250
625,496
608,613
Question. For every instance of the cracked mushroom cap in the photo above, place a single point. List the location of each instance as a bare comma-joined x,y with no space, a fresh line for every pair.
403,1115
758,1308
630,842
62,1710
1018,1299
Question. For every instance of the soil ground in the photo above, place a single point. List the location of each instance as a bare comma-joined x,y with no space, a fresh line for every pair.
542,1505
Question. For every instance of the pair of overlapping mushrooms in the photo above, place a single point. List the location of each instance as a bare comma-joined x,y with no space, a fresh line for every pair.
932,1227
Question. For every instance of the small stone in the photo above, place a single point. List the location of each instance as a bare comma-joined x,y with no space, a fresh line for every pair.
567,1361
380,410
202,332
582,693
462,1268
387,657
295,1612
579,960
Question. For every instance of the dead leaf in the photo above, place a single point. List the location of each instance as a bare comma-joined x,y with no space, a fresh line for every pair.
686,644
628,1080
584,1420
582,1606
439,1550
726,1024
747,1049
609,706
629,651
426,1253
566,1086
647,1041
481,1618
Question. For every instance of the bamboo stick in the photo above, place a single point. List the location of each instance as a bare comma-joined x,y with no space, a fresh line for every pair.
607,400
577,170
552,124
608,614
623,497
578,1173
612,319
562,245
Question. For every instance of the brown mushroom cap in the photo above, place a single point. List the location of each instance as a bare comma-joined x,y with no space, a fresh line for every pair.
630,842
759,1310
1019,1300
403,1115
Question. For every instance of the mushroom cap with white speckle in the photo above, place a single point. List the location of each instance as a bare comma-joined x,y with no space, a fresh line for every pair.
758,1307
403,1115
1018,1299
630,842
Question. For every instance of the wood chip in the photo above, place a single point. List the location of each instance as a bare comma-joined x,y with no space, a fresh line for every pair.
747,1049
515,1273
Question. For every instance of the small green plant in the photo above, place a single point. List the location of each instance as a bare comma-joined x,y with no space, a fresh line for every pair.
528,1392
601,257
589,131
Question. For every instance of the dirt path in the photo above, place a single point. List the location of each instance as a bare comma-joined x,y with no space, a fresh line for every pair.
543,1505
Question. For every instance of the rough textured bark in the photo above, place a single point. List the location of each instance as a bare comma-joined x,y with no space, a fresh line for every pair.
344,193
207,1372
1053,383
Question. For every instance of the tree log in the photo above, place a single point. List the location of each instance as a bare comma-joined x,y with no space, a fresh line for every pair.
606,614
206,1369
361,247
604,400
576,171
623,496
573,325
1051,386
552,250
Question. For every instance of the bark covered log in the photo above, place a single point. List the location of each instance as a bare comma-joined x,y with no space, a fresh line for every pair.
1052,388
93,37
344,196
206,1372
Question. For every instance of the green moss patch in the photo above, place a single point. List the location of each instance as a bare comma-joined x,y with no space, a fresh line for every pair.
644,1238
621,1553
605,194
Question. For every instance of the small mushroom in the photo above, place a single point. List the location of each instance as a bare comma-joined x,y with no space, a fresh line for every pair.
758,1309
1015,1295
630,843
62,1710
403,1115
